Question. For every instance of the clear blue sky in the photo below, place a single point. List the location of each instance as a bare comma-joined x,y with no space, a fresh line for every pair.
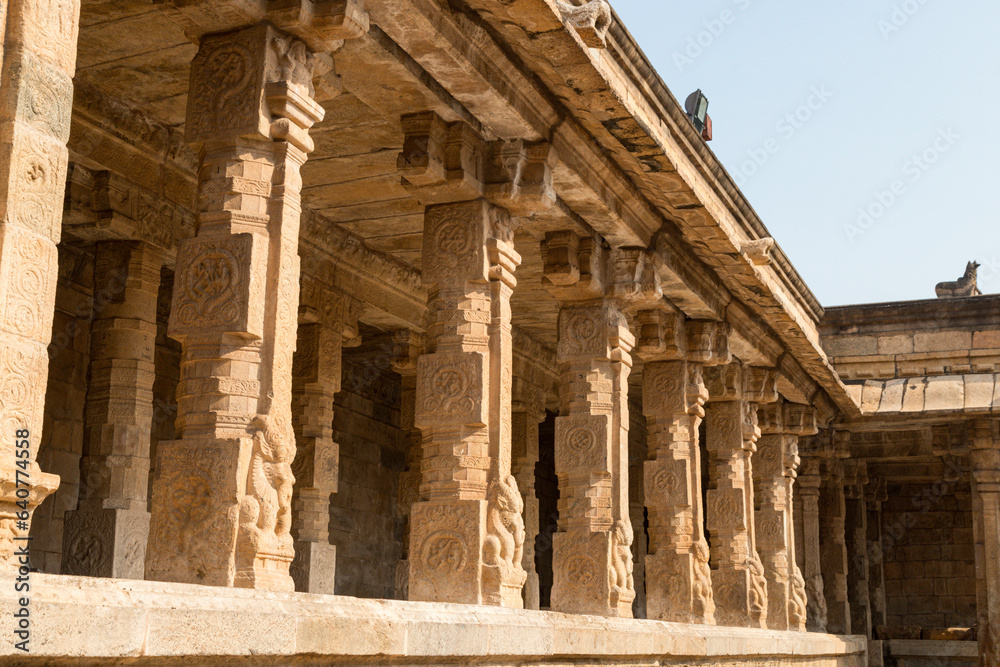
893,109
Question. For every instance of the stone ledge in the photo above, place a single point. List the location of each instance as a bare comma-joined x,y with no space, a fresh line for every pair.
931,648
81,620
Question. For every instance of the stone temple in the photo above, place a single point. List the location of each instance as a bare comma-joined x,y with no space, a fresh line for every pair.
431,332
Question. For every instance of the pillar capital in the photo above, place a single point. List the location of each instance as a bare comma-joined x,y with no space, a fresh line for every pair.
664,334
273,100
782,417
574,266
448,162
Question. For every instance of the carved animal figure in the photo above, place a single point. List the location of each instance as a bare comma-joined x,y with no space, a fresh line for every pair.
964,286
704,598
504,544
620,577
592,18
758,588
797,609
295,62
266,509
816,605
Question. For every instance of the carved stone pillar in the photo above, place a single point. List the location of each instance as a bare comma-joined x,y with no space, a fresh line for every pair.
327,324
856,536
875,495
833,547
592,558
985,455
777,461
678,578
467,531
106,535
528,408
39,59
803,423
407,348
222,493
731,432
808,487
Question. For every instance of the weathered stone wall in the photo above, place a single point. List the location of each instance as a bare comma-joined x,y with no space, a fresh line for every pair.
930,571
363,520
65,397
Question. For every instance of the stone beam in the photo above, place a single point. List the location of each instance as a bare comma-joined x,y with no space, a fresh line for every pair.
104,206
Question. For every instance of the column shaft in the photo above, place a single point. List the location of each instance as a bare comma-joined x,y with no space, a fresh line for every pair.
106,535
833,545
856,536
467,532
777,463
316,376
592,559
39,59
678,578
222,493
731,433
985,437
875,495
809,491
408,346
525,420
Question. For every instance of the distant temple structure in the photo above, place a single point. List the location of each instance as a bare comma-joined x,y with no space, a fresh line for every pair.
411,332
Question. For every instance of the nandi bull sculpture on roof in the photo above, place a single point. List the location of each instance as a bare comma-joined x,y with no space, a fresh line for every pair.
964,286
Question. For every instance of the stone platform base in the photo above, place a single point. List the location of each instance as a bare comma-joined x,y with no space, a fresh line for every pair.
86,621
930,653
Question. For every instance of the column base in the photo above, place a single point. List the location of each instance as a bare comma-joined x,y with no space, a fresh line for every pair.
679,588
532,596
314,567
446,551
582,571
268,572
105,543
739,603
401,580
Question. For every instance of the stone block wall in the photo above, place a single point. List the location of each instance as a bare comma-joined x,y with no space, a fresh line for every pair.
363,520
930,571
